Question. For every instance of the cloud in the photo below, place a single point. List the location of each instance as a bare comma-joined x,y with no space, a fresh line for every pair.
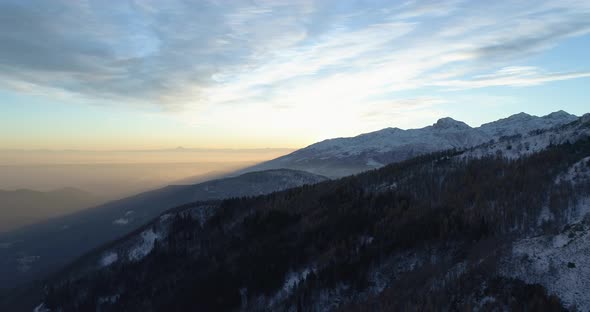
202,56
517,76
534,34
397,107
116,50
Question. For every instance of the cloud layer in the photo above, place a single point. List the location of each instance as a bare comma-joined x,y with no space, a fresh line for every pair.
211,56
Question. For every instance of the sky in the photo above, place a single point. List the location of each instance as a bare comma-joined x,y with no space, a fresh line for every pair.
143,74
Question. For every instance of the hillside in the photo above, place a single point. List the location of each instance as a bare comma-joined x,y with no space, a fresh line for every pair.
73,235
33,252
445,231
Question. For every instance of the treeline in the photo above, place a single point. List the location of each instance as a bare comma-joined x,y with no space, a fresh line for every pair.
341,231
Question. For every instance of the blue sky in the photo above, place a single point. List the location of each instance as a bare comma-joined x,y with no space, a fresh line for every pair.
243,74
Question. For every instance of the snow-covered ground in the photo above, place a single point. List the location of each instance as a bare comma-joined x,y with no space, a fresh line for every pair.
109,258
561,263
527,144
108,299
577,173
24,263
524,123
446,133
144,246
121,221
41,308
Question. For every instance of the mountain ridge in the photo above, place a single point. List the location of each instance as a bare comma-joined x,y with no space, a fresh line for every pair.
343,156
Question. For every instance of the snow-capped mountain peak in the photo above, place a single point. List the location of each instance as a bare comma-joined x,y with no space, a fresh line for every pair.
450,123
521,115
561,115
345,156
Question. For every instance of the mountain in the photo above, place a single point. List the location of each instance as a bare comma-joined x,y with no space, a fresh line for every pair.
489,228
344,156
336,157
33,252
23,207
524,123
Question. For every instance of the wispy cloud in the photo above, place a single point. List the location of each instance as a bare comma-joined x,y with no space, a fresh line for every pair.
394,107
516,76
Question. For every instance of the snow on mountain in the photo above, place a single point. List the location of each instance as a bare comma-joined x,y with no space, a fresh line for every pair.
445,133
148,239
561,263
578,173
344,156
518,145
41,308
523,123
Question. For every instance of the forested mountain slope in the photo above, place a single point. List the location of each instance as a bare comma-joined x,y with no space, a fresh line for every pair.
437,232
33,252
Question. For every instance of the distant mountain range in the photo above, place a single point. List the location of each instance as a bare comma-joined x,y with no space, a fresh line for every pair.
24,207
344,156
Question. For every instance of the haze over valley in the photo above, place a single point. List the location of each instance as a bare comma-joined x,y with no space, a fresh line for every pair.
114,174
41,184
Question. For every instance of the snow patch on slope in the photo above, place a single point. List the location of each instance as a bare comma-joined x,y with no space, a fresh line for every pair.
545,216
294,278
145,246
108,299
25,262
109,259
41,308
577,173
561,263
121,221
291,281
373,163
